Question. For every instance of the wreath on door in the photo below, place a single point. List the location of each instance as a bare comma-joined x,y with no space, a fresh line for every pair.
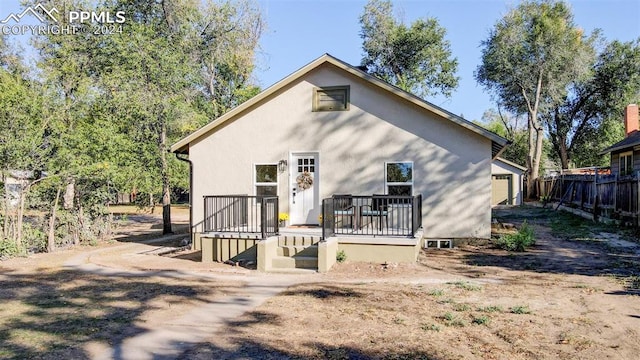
304,180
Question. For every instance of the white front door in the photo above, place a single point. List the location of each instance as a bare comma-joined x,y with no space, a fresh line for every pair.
304,203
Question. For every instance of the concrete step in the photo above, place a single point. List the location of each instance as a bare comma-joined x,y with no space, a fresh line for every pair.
301,250
297,240
298,262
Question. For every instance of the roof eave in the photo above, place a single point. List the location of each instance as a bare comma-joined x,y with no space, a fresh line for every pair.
510,163
500,142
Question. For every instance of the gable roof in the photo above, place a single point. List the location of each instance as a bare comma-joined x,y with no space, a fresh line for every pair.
509,163
631,140
498,143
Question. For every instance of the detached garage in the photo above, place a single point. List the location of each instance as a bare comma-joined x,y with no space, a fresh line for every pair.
506,182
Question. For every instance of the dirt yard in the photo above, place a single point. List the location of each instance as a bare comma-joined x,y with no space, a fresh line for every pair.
574,295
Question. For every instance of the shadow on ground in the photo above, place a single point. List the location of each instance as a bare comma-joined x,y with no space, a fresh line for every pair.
240,347
565,245
55,314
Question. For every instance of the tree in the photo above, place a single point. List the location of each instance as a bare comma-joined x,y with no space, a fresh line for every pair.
22,146
104,109
514,128
228,39
585,121
416,58
529,58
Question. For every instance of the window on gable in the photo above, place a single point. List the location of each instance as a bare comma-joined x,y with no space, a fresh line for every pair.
266,179
399,178
334,98
626,163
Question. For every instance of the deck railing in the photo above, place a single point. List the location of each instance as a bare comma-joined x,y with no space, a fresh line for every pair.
373,215
241,214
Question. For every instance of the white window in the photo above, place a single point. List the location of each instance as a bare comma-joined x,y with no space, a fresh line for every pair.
626,163
266,179
334,98
399,178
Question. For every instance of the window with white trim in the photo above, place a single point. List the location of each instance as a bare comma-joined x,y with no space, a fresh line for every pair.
334,98
399,178
626,163
266,179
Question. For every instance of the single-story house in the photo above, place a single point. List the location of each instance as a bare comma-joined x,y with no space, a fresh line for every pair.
625,154
331,145
506,182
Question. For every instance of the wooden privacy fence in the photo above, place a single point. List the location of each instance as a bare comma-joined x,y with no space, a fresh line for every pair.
610,196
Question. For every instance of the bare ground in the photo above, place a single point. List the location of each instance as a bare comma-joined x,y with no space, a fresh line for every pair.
574,295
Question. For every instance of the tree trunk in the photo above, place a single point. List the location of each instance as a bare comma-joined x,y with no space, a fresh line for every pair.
535,174
76,238
51,242
69,194
564,153
530,157
166,196
5,210
20,220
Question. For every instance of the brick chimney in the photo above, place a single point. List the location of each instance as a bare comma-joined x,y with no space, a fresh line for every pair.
630,119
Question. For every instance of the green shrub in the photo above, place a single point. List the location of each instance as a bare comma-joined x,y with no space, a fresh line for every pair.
35,239
520,309
519,241
341,256
9,249
481,320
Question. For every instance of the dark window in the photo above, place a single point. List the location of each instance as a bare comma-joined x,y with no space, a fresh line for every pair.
399,178
266,179
626,163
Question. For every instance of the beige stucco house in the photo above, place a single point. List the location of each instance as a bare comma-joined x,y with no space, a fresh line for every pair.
506,182
330,128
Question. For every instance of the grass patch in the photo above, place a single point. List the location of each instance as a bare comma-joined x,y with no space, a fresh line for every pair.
579,342
481,320
491,309
436,292
520,310
341,256
430,327
465,285
452,320
461,307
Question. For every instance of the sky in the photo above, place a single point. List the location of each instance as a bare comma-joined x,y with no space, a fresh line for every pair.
299,31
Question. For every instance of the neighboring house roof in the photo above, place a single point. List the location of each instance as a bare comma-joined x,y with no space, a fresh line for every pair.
631,140
498,143
512,164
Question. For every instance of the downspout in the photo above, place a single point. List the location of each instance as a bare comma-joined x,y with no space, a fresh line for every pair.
190,194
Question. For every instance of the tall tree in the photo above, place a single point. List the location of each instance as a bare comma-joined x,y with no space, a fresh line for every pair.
529,58
585,121
22,147
416,58
229,34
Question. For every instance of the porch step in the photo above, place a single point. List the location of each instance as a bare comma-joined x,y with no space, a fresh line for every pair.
298,240
298,262
298,250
